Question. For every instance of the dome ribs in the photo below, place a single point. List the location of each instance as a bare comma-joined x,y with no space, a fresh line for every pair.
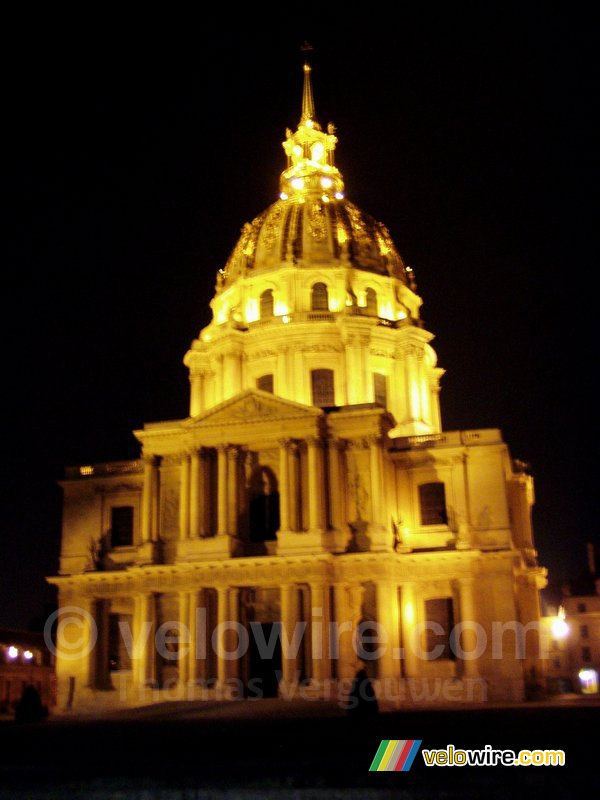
333,225
297,243
285,233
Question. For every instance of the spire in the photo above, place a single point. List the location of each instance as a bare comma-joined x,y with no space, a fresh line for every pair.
308,103
309,150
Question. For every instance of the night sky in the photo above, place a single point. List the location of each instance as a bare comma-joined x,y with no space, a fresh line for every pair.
134,158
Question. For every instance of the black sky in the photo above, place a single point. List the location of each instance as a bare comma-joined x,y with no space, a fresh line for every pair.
134,159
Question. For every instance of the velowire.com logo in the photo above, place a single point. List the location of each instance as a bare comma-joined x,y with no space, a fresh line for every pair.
395,755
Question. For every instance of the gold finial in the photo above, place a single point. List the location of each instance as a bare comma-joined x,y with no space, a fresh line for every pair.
308,103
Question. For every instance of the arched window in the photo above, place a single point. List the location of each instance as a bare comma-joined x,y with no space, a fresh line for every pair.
319,299
323,393
371,307
432,502
264,505
266,304
265,383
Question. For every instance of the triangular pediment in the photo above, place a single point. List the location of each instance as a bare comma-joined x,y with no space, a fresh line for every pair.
252,405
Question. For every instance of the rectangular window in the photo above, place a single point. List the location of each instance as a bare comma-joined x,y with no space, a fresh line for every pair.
121,526
323,394
432,502
265,383
439,615
586,654
581,607
380,389
556,663
583,631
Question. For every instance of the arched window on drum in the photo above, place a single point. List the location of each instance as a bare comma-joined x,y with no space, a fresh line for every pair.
371,304
266,304
319,297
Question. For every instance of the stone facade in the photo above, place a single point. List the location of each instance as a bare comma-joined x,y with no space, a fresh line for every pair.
311,486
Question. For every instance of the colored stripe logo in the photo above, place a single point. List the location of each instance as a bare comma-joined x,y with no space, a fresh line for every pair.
395,755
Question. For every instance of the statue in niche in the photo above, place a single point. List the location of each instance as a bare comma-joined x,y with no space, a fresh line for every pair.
359,539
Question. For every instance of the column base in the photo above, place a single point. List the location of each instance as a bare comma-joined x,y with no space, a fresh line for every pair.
292,543
211,548
463,538
147,553
336,541
382,540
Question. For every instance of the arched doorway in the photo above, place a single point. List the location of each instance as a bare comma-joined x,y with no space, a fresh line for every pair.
263,505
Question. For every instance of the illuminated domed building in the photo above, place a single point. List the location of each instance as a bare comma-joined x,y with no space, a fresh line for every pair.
311,485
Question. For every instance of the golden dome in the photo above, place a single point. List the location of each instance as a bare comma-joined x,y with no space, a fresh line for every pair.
313,231
312,224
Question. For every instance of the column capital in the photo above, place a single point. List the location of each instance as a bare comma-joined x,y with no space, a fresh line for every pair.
233,451
150,459
197,372
361,443
336,443
285,444
314,441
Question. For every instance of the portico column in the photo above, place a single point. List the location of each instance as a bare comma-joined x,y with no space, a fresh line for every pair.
197,495
386,598
222,618
196,392
468,637
284,485
227,612
222,490
345,665
356,344
102,677
184,498
232,490
335,486
196,651
144,654
86,665
295,519
315,483
233,605
320,618
183,663
149,498
412,384
408,621
290,634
